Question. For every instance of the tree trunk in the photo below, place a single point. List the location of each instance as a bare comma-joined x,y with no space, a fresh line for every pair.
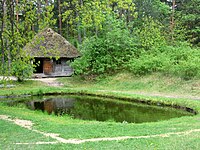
2,31
84,30
78,29
78,25
60,18
47,2
11,19
17,13
172,20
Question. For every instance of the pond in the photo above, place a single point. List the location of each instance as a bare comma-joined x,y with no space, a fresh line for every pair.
100,109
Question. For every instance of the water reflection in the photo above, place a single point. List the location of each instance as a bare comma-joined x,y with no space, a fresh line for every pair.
57,105
93,108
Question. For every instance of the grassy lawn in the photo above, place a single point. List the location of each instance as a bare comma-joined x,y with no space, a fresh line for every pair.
178,133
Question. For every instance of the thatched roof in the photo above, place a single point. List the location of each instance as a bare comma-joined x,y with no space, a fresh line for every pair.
48,43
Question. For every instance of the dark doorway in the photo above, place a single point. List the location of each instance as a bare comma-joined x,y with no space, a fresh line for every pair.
38,65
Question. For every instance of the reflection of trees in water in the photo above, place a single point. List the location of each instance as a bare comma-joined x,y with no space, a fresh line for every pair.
58,106
104,110
119,112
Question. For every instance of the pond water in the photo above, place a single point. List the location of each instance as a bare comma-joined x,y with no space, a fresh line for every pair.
100,109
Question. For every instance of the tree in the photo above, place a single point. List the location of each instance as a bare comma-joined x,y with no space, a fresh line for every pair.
189,15
3,20
17,30
60,17
86,18
107,53
152,8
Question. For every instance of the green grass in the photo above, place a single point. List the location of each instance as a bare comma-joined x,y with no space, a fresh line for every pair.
150,84
28,87
77,129
123,86
124,82
14,134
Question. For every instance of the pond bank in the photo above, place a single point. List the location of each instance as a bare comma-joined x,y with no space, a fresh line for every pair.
184,130
50,86
178,103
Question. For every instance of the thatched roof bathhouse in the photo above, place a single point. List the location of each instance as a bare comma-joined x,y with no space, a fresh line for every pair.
52,54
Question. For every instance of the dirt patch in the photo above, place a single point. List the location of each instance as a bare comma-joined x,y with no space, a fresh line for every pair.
50,82
22,123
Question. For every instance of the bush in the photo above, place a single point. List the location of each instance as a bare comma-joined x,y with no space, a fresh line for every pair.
107,53
22,69
181,61
150,35
148,63
184,62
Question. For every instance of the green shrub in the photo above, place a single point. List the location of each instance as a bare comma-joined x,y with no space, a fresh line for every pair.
184,62
107,53
150,35
147,63
188,70
181,61
22,69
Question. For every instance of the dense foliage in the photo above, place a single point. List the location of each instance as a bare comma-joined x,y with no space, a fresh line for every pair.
112,35
188,15
181,61
108,52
